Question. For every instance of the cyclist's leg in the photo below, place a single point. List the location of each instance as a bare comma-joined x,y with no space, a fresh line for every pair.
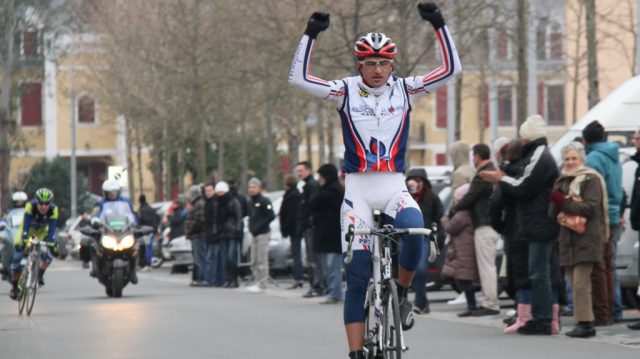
358,273
406,214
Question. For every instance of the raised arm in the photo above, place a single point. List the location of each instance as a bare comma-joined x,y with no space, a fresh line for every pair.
300,76
421,85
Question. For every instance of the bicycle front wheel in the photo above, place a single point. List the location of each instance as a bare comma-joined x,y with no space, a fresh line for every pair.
24,290
33,287
391,326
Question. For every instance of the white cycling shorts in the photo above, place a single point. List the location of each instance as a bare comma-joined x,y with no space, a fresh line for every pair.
365,192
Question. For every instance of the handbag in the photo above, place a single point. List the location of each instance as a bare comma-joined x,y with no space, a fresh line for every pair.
574,222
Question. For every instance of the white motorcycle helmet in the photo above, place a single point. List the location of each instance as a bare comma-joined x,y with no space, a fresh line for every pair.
111,186
19,196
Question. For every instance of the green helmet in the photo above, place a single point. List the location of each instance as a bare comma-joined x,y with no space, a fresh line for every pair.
44,195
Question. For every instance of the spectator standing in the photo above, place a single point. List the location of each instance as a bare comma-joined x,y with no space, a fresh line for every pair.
461,263
194,231
603,157
462,170
215,253
229,228
148,217
485,237
314,261
260,215
288,227
324,208
635,200
580,191
432,210
532,188
176,216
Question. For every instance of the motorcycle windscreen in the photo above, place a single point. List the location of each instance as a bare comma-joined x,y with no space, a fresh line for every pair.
117,215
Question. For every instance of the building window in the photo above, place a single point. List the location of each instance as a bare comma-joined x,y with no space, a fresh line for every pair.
555,45
505,105
441,107
502,45
31,104
30,43
86,110
555,105
541,40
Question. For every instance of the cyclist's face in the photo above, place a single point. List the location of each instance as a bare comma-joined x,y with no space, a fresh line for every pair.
375,71
43,207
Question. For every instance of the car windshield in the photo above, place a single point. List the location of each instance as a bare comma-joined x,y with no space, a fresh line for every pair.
117,215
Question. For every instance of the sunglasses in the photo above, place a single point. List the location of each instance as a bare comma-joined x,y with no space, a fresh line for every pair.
44,204
373,64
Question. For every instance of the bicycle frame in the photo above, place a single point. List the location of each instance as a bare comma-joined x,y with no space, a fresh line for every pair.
382,278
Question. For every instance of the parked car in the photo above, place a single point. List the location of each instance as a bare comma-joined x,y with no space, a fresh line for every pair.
70,237
627,253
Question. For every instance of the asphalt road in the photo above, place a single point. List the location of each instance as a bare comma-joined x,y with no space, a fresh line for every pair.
164,318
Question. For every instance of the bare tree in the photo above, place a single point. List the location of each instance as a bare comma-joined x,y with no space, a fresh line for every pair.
592,54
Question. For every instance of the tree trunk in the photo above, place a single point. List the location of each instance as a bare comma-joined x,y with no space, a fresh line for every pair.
592,54
308,132
166,165
576,65
270,176
458,111
321,148
139,156
523,72
331,142
5,96
221,153
129,141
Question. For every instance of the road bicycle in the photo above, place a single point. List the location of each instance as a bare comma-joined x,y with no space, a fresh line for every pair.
383,336
28,281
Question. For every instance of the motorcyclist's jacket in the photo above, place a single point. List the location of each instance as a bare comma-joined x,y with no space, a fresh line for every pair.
375,121
98,210
34,223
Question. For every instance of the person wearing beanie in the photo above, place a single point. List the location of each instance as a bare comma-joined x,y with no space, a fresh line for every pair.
260,215
531,189
228,229
603,157
194,231
432,210
324,208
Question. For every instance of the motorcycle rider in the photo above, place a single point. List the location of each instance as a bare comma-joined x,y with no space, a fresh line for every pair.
40,220
112,193
19,200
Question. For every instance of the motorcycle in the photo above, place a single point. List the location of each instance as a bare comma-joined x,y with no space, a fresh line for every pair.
8,229
114,249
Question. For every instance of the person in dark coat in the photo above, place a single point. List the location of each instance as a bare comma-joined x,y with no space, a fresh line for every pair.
634,214
314,260
461,262
532,188
147,217
260,215
324,208
485,237
580,191
228,227
288,227
194,231
215,253
432,211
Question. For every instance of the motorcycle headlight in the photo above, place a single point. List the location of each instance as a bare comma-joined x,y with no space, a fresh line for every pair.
127,242
109,242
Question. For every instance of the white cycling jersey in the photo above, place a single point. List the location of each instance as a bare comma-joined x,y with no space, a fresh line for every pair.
375,121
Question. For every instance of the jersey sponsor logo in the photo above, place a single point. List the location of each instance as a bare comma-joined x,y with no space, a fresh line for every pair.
363,110
363,92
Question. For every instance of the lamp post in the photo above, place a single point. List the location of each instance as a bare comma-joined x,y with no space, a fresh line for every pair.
74,173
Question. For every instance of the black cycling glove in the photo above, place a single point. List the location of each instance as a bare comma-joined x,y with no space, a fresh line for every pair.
430,12
318,22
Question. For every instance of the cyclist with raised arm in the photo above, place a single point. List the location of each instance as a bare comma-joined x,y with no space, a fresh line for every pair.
374,108
40,220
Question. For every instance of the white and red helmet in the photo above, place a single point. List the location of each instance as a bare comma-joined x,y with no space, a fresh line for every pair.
375,44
